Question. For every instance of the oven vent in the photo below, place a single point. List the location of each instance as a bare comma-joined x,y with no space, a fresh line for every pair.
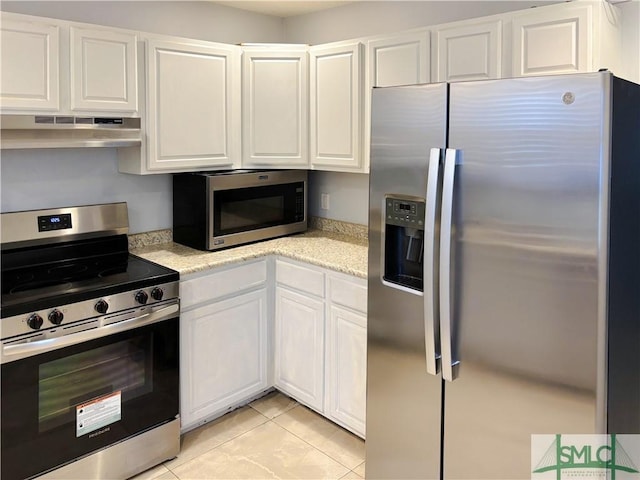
64,131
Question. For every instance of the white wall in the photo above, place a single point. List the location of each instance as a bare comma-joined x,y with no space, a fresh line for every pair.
370,18
207,21
630,67
201,20
348,196
36,179
349,193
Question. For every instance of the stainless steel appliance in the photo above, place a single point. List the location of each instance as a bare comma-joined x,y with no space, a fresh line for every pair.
504,266
213,210
65,131
89,349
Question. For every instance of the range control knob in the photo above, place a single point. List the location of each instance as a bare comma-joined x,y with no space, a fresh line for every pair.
55,317
101,306
35,321
157,293
142,297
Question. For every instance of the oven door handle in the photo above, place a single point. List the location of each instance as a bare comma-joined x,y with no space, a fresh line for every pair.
16,352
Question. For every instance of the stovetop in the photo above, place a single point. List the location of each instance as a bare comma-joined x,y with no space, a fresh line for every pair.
65,268
50,285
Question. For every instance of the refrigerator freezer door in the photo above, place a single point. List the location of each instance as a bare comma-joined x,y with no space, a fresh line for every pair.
527,268
403,401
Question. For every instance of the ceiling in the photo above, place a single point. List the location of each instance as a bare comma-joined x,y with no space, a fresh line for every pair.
286,8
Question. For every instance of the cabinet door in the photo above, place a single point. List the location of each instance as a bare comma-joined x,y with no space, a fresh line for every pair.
335,110
193,105
275,97
398,60
347,368
299,347
30,64
402,59
552,41
223,355
103,71
468,52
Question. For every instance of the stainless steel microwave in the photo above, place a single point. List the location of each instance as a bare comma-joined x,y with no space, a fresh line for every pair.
214,210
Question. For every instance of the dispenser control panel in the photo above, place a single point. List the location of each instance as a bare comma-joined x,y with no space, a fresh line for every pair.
404,213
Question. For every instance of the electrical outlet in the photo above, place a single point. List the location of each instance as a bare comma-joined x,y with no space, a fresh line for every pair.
324,201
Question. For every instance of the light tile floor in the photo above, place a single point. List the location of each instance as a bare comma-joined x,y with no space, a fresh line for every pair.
273,437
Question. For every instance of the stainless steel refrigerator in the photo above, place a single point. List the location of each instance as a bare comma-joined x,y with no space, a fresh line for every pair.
504,271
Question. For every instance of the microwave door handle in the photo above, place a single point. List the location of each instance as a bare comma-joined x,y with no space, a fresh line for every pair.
430,290
450,365
16,352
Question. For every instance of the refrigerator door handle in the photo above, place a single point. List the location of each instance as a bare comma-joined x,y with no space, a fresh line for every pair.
431,320
450,365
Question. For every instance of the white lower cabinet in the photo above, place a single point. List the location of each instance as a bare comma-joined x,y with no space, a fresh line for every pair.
346,364
224,346
309,340
299,347
321,341
346,352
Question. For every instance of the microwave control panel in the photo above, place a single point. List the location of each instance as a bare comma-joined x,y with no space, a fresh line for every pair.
300,203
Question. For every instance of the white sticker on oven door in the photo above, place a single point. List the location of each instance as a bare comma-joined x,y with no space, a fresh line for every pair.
98,413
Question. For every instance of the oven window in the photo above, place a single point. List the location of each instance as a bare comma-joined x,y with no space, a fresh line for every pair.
67,382
66,403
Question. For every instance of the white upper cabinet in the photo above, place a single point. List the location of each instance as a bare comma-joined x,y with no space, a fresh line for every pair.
582,36
548,41
103,70
336,106
193,106
467,51
399,59
30,63
275,97
52,66
391,60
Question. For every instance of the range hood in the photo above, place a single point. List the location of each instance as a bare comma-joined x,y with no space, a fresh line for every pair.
58,131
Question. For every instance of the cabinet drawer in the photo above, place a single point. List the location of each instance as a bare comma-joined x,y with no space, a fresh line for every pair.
222,283
348,293
300,278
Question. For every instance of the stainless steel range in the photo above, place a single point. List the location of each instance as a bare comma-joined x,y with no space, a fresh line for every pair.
89,352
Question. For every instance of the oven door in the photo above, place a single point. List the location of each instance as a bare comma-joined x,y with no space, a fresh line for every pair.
66,402
248,214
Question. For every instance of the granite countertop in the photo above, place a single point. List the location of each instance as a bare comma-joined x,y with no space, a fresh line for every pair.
335,251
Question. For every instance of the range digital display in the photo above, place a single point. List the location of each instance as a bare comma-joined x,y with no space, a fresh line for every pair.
54,222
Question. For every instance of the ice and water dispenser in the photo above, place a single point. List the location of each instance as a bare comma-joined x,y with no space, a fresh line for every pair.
404,241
